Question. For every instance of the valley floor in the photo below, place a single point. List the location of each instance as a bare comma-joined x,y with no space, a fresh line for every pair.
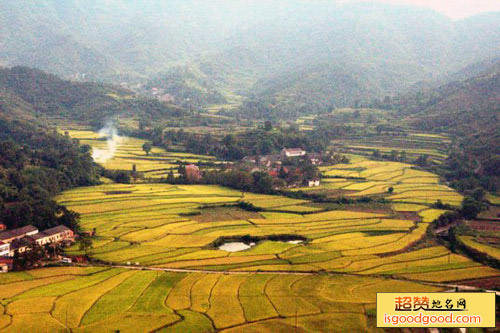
326,283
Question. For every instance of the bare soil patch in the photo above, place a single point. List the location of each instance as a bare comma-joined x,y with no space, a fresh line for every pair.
484,225
486,283
224,214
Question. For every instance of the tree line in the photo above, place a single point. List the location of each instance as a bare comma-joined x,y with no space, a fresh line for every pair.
35,165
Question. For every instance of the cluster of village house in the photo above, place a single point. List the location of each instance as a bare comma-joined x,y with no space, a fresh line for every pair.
271,164
162,96
22,239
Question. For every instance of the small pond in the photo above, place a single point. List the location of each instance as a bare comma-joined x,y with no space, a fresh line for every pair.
235,246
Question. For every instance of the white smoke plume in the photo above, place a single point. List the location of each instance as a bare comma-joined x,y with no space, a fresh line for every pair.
110,133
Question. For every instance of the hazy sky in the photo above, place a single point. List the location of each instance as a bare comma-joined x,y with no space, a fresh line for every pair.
455,9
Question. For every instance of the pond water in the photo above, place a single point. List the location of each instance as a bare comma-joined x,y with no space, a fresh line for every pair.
242,246
235,246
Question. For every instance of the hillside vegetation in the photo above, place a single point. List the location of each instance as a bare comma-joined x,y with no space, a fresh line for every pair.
304,55
35,165
35,93
470,109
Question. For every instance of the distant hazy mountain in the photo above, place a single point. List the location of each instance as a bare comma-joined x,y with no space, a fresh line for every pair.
31,93
291,51
362,51
469,106
117,39
185,85
470,109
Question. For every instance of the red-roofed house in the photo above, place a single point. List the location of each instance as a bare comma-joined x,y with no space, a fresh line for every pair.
273,173
192,172
6,264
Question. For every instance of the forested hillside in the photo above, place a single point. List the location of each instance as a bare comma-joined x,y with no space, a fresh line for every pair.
35,165
303,65
185,86
32,92
470,109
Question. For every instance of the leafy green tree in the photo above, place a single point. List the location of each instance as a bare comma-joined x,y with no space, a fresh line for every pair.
147,147
171,177
478,194
422,160
470,208
262,182
268,125
123,177
85,243
394,155
182,170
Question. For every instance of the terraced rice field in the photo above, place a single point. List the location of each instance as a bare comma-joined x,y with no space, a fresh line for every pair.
374,178
162,271
105,299
471,242
166,226
414,145
127,152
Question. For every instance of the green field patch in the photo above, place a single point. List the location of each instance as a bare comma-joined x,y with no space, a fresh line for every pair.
71,308
32,323
224,296
15,277
471,242
192,322
266,247
313,258
131,323
285,300
25,306
429,215
129,253
121,298
401,207
179,298
252,296
66,287
154,297
200,292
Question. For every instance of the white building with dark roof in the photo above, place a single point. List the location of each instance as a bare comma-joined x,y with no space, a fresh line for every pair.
10,235
4,249
292,152
53,235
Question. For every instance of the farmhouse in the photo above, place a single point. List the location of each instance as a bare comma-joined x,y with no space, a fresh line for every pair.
192,172
4,249
20,245
10,235
54,235
313,182
292,152
6,264
315,158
